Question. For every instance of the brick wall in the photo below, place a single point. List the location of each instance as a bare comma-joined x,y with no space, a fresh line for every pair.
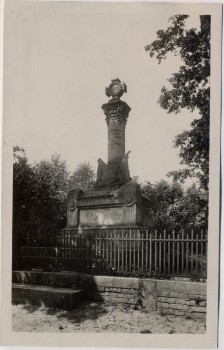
181,298
114,289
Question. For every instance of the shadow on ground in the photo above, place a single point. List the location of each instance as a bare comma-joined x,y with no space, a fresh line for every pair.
86,311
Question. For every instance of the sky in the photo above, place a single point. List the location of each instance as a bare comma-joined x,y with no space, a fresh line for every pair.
58,59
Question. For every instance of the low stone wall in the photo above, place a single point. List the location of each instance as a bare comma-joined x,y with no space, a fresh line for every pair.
181,298
167,297
178,298
107,288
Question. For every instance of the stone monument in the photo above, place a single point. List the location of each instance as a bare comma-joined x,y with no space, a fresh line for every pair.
115,199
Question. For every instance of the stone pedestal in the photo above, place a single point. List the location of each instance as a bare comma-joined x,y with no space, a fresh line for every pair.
108,207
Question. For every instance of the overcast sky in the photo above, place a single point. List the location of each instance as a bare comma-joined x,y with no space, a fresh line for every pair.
59,57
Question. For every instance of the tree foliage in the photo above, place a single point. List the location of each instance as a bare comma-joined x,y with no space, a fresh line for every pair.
24,191
40,189
51,184
83,177
189,89
176,208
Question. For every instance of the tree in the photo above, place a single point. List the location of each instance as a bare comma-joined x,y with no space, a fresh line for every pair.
189,89
176,208
166,197
24,191
83,177
51,184
39,191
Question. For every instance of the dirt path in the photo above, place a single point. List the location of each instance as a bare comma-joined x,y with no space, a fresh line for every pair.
98,317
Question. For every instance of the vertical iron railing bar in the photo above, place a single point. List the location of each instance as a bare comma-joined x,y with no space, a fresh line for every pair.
130,251
150,253
173,253
206,254
196,252
147,243
134,233
192,251
201,270
155,253
115,249
182,252
118,251
107,247
96,249
187,252
111,250
169,254
138,238
126,250
122,250
142,252
178,253
164,253
160,253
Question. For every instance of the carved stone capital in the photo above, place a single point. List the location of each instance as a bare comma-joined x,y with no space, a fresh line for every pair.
116,109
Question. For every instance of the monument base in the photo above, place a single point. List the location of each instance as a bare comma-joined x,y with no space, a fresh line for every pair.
124,206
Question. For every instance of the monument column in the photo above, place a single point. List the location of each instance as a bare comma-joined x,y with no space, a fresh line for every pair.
116,112
115,200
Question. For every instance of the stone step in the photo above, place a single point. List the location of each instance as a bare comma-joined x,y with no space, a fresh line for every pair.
54,279
64,298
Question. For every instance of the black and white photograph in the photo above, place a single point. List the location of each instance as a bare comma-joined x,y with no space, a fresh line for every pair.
111,151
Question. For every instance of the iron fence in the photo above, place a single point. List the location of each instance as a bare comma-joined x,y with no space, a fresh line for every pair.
124,251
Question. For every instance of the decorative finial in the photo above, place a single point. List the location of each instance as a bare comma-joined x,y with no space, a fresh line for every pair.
116,89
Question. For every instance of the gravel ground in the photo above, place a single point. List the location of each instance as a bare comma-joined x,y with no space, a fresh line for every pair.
99,317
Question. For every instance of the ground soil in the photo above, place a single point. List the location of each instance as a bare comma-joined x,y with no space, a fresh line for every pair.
100,317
